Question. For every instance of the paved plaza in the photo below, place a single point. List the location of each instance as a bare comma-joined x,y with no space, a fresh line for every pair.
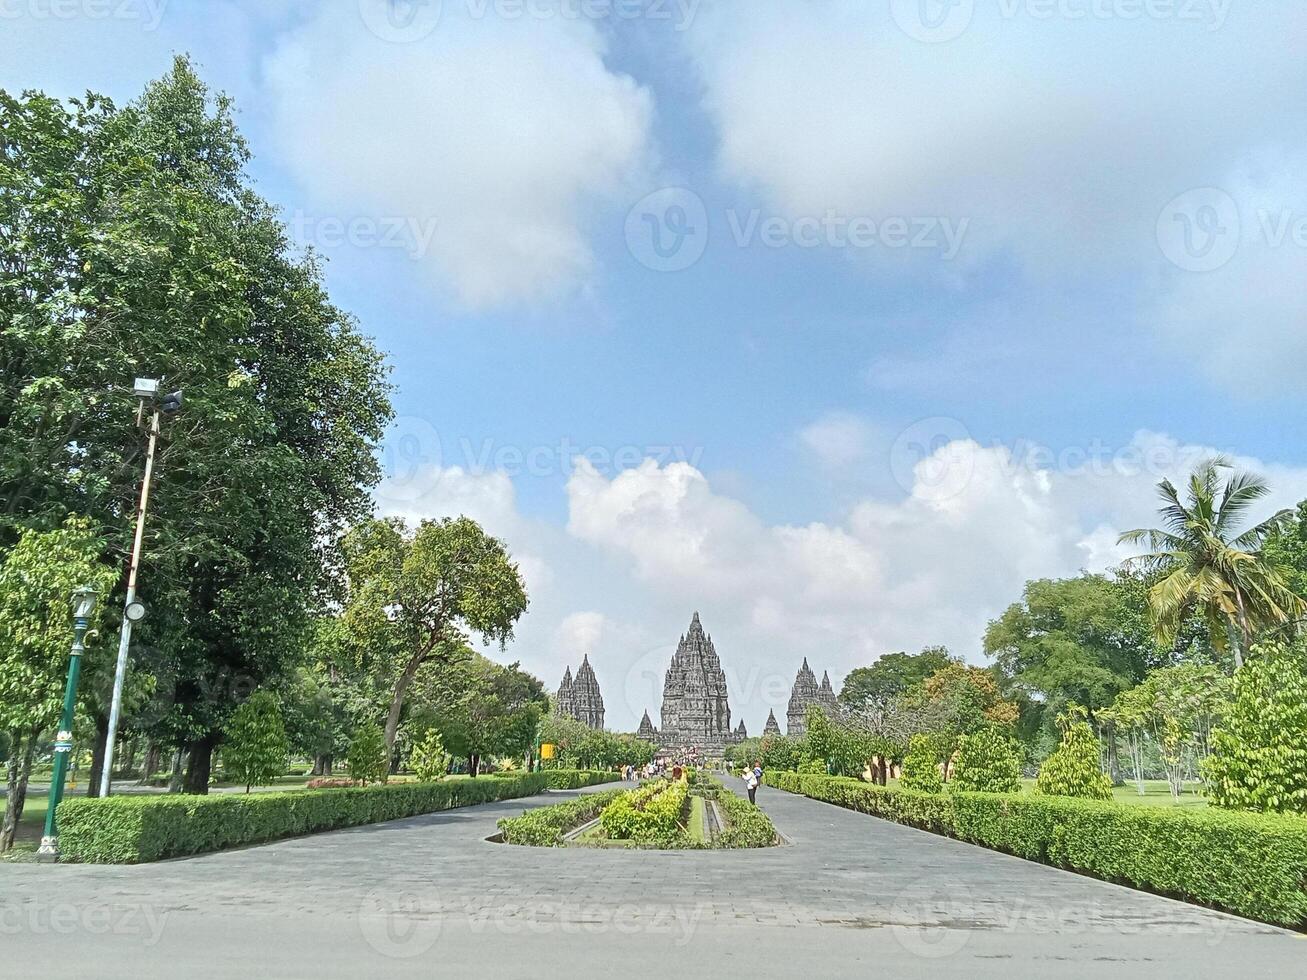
430,897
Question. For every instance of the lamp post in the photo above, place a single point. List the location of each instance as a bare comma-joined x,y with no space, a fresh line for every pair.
83,606
147,390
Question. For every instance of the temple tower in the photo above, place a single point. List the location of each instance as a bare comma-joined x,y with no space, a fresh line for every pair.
695,711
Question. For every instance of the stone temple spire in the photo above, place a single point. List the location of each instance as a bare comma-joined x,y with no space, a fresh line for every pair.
804,693
740,731
772,727
587,702
563,702
646,730
828,699
695,712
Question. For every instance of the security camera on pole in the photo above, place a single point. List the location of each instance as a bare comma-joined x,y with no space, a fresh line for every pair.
147,390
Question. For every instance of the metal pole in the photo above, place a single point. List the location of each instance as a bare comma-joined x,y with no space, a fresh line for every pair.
125,638
63,745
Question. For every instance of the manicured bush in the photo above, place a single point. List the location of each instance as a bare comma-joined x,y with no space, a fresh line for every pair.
428,758
1259,752
649,815
1250,864
1074,769
368,761
255,747
928,811
578,778
132,829
546,825
986,763
746,824
921,770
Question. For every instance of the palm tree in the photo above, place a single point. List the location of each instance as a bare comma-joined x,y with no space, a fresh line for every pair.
1206,563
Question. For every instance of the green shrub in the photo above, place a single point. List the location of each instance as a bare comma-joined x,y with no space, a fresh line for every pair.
578,778
1250,864
255,748
132,829
746,824
986,763
1259,752
928,811
1073,769
368,761
921,770
428,759
649,815
546,825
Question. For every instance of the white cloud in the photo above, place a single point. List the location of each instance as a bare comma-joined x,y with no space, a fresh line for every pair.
934,567
1060,138
492,136
839,439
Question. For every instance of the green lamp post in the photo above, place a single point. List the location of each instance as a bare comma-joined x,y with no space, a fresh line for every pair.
83,606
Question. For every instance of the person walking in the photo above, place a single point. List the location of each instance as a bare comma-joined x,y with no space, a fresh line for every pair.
751,779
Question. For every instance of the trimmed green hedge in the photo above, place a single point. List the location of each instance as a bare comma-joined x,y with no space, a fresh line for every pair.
546,825
579,778
1247,863
747,825
134,829
926,811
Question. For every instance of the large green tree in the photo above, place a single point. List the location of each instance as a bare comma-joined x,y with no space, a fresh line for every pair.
1207,559
415,596
890,676
483,709
1078,639
134,245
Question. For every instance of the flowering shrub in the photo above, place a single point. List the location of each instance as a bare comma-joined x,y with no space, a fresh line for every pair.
545,826
649,815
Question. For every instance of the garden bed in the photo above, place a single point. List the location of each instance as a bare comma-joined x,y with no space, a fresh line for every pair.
666,815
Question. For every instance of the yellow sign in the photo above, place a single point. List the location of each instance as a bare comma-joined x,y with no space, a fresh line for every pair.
547,750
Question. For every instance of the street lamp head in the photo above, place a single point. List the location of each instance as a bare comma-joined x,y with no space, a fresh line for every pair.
83,602
146,387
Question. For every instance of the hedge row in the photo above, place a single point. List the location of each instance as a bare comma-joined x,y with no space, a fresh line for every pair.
546,825
579,778
746,824
133,829
1250,864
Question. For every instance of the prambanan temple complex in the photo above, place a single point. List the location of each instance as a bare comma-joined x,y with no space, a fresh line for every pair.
696,712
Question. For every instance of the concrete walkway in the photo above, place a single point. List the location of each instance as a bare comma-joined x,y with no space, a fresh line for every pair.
429,897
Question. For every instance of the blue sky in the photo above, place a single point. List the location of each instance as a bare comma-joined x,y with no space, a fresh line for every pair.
834,444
